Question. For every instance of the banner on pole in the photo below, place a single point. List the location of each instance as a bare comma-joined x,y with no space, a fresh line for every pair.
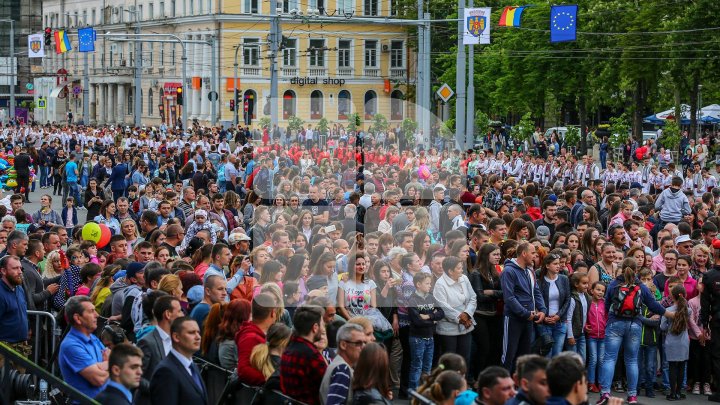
477,26
36,46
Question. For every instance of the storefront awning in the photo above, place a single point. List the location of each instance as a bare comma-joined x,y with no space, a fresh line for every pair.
171,86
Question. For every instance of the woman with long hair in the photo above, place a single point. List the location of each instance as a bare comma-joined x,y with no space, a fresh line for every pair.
246,284
624,329
102,288
555,288
519,230
485,281
93,199
587,245
258,257
129,230
53,266
236,313
107,217
273,273
421,245
700,263
266,357
298,270
201,260
210,328
306,223
590,215
371,377
171,284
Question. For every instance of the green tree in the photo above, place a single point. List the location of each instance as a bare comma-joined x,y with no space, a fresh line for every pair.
619,130
572,136
354,122
379,123
323,126
482,123
295,123
671,137
524,129
409,127
264,122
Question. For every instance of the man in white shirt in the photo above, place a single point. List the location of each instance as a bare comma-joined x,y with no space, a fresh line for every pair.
157,344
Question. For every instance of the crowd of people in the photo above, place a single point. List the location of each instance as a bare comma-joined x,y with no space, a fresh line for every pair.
358,270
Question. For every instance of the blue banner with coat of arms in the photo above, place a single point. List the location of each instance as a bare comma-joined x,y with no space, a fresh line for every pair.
477,26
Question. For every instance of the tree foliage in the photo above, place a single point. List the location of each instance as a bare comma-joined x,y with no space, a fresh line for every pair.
634,57
295,123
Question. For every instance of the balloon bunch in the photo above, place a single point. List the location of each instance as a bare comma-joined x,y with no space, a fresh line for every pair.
8,174
98,233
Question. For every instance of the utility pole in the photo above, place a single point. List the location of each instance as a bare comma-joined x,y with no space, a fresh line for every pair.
86,90
138,72
470,121
275,37
460,80
235,89
427,80
420,107
213,80
13,69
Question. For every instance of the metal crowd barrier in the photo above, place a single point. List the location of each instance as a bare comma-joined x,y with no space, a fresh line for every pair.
44,325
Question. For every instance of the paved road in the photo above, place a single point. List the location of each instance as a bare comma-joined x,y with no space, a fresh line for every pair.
34,205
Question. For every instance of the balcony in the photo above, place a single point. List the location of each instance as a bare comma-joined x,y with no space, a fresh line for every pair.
398,73
251,71
289,71
371,72
345,71
317,72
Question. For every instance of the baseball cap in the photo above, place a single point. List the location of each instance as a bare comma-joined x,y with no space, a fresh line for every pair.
134,268
237,238
542,231
637,214
195,294
683,238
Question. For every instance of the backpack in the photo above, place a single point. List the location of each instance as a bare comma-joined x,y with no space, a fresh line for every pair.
626,301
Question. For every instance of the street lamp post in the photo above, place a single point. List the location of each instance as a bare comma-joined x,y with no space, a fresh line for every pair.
235,89
13,67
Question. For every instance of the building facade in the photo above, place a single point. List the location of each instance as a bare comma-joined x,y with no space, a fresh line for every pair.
337,58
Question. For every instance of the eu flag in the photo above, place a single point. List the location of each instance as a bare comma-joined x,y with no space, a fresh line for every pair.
86,39
563,23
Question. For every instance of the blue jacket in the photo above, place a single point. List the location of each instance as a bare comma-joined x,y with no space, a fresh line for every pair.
563,286
519,398
518,292
74,217
117,177
648,298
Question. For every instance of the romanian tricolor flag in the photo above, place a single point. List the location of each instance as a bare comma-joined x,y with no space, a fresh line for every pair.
510,16
62,42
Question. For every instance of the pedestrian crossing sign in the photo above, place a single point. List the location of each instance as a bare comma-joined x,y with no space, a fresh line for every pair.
41,103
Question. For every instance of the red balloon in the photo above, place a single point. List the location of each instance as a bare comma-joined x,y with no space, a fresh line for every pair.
105,235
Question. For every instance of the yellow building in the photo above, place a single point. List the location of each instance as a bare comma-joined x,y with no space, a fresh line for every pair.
331,65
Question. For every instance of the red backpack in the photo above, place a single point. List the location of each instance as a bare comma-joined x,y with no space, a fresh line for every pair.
626,301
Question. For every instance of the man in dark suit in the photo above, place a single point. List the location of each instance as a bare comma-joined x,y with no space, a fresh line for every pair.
125,366
157,344
22,169
177,379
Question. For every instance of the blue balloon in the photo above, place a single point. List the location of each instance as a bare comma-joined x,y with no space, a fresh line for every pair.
3,161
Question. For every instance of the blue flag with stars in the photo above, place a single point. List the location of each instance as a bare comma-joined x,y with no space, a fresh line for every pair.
86,39
563,23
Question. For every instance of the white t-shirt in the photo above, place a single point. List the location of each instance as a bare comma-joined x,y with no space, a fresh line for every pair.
358,296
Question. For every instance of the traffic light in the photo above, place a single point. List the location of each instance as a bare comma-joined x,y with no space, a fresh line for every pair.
179,94
48,36
232,105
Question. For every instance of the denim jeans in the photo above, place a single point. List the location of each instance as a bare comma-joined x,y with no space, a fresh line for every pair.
648,366
74,191
580,347
627,334
558,332
421,355
45,180
596,351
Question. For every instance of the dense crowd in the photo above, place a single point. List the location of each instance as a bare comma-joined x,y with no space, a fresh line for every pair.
354,268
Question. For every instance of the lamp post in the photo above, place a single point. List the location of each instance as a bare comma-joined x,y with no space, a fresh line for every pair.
13,66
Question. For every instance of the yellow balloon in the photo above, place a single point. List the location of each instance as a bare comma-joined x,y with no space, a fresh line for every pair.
91,231
11,183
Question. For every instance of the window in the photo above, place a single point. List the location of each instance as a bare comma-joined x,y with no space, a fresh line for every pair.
317,52
130,105
316,105
317,4
84,17
394,7
251,6
173,12
344,104
162,9
290,53
149,61
150,102
345,6
140,14
344,53
251,52
289,104
92,17
370,104
371,53
151,11
162,54
371,7
396,105
191,11
397,54
289,5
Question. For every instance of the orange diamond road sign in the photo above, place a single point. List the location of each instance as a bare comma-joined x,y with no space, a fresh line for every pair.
445,92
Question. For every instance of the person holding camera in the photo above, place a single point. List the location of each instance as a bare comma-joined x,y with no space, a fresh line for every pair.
524,304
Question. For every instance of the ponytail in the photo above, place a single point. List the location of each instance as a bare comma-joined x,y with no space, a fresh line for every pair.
629,266
442,389
260,360
680,322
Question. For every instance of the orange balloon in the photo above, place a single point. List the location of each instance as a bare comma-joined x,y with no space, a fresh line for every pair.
105,235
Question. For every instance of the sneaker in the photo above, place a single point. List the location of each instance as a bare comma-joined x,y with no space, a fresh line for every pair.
618,387
696,388
632,399
604,398
594,388
706,389
671,397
